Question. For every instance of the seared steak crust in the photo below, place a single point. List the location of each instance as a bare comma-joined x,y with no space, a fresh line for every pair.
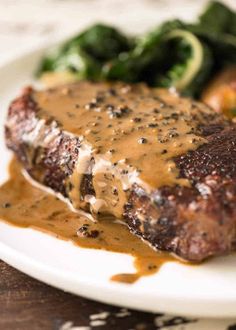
53,161
193,222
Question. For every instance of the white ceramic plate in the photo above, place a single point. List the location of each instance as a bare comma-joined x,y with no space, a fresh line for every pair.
208,290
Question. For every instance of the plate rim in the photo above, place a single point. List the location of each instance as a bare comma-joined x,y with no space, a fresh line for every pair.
39,270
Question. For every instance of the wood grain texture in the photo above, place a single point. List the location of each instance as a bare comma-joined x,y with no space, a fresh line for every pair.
26,303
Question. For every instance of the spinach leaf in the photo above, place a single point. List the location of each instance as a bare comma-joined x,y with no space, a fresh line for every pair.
217,18
217,27
133,66
222,45
85,53
150,41
102,42
73,60
190,64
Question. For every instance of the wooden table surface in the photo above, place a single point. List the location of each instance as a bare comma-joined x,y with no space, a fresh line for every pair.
27,304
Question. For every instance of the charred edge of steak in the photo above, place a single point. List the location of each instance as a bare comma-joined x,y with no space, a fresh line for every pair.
20,114
50,164
198,222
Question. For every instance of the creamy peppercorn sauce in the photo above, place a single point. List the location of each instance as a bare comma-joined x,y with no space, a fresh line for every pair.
129,133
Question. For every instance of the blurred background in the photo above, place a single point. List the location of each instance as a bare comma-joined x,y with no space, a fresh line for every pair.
26,23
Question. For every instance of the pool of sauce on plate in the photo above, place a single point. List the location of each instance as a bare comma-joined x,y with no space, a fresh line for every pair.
24,205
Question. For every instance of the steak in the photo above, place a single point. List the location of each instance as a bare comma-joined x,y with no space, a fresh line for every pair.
163,164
